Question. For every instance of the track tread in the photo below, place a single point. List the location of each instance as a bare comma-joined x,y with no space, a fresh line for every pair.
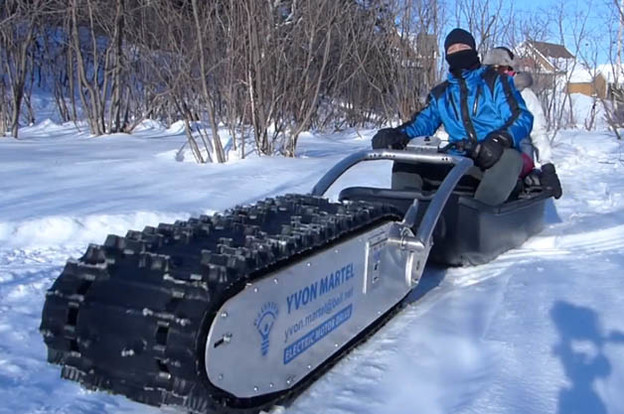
130,316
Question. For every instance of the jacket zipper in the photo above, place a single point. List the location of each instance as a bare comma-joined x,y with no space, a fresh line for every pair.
463,99
454,107
476,101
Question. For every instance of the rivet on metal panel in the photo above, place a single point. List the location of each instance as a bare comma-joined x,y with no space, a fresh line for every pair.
256,289
275,281
308,264
256,389
224,314
271,385
220,377
309,366
289,380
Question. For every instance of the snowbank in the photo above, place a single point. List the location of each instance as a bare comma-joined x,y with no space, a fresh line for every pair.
76,231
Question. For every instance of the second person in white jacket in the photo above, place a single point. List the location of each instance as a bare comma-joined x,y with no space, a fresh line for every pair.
537,146
539,136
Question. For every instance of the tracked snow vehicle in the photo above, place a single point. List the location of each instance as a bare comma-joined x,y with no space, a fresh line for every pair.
239,312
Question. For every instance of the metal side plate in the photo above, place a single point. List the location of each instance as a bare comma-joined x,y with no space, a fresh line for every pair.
277,330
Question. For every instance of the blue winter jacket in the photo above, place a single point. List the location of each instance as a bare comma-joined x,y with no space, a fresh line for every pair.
491,101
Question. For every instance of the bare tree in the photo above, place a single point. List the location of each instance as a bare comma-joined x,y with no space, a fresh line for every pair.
16,40
269,69
487,20
613,103
577,21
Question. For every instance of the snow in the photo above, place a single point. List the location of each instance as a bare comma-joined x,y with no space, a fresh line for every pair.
585,107
538,330
581,75
613,73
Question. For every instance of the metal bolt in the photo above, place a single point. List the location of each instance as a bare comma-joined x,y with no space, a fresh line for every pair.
270,385
275,281
308,264
309,366
224,314
256,389
220,376
335,345
256,290
227,338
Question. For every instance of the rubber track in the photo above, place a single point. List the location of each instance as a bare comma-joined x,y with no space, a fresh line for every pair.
131,316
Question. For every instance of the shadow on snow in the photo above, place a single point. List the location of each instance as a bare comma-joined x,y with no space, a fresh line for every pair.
581,350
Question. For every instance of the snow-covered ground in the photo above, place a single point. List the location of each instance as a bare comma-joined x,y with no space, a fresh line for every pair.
538,330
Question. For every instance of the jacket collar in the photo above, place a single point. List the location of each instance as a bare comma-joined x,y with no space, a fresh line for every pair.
468,74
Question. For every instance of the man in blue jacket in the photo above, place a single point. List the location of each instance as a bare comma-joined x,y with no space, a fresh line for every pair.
484,115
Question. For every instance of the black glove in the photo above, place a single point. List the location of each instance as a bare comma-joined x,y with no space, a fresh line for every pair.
550,180
489,151
390,138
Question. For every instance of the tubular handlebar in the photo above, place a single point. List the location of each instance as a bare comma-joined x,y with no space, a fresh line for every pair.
427,224
381,154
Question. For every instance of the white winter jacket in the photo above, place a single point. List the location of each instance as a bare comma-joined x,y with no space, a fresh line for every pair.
539,137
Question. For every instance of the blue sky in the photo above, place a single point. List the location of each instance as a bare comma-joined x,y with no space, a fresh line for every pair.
595,11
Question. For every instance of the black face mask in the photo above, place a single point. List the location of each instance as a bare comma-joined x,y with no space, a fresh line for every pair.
464,59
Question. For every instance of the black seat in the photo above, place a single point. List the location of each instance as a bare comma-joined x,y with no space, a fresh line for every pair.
401,199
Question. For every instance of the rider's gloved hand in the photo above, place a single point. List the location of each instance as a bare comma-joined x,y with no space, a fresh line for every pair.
489,151
390,138
550,180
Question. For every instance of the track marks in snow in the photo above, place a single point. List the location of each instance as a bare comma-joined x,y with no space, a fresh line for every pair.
595,241
567,241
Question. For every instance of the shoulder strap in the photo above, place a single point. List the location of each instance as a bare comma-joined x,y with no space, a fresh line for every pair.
512,101
438,90
489,76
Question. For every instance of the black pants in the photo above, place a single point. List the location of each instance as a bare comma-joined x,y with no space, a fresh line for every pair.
492,186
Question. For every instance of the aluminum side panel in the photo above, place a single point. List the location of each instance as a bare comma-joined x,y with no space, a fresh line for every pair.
272,334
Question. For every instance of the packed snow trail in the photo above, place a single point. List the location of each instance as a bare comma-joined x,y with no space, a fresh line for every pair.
537,330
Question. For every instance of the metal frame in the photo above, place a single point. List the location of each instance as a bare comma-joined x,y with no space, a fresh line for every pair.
266,340
289,322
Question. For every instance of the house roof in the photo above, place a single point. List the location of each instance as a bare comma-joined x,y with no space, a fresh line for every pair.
551,50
